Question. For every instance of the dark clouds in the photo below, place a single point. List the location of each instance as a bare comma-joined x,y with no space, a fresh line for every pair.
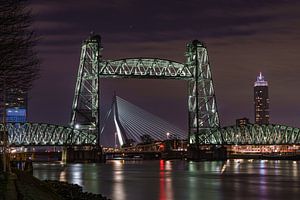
140,21
243,38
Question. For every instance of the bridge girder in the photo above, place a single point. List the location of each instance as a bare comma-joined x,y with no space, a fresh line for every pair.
41,134
254,134
151,68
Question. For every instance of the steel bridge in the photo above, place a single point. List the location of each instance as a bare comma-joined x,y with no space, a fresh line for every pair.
202,108
203,119
41,134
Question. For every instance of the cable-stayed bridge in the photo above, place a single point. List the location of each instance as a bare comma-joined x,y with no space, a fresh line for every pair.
132,123
203,119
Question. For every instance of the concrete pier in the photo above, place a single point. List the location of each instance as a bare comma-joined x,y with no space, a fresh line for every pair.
206,152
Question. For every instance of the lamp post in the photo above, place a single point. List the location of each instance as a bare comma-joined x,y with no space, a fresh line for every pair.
168,134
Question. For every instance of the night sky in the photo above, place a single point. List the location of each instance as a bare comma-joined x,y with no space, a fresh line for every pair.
243,38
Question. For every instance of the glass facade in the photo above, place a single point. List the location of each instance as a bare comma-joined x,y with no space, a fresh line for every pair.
16,115
16,106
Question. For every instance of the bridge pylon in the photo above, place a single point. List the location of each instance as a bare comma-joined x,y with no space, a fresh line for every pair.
203,114
202,107
85,108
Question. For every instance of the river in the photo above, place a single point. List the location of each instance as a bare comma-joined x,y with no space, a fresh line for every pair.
181,180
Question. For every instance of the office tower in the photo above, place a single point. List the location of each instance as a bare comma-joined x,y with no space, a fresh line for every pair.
16,106
261,101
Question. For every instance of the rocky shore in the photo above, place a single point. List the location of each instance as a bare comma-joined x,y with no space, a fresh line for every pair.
22,185
72,191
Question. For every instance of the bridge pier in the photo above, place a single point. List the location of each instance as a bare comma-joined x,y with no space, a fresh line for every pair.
206,152
82,154
64,155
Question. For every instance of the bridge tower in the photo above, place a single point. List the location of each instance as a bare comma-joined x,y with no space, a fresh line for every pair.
85,108
121,133
202,107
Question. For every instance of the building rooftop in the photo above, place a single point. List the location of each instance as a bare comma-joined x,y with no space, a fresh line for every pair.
260,81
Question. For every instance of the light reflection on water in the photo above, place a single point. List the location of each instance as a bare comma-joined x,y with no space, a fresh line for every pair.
165,180
118,187
171,180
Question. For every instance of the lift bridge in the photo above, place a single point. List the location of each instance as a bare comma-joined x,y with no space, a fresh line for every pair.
203,119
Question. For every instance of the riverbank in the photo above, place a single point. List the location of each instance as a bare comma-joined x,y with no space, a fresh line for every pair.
22,185
72,191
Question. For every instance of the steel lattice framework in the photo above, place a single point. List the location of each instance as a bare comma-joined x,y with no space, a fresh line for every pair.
85,109
203,115
204,126
251,134
40,134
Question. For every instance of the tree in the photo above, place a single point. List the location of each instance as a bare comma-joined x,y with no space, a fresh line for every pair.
19,64
147,139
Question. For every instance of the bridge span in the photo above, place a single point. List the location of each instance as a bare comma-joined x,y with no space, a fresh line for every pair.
203,118
41,134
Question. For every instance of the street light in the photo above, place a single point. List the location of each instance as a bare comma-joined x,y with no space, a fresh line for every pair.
168,134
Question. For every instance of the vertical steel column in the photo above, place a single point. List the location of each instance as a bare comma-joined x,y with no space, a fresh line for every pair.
85,109
203,114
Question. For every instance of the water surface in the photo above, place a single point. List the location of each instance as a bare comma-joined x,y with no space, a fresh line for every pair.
181,180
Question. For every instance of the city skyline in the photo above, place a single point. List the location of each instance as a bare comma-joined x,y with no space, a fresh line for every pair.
246,43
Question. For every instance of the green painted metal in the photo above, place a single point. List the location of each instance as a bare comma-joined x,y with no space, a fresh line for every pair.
254,134
41,134
203,115
85,108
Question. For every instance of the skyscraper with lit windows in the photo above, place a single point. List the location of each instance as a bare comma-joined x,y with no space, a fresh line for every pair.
16,106
261,100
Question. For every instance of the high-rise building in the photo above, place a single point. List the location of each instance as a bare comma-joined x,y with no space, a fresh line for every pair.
16,106
261,100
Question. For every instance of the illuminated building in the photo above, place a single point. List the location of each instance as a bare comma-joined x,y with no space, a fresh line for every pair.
16,106
261,101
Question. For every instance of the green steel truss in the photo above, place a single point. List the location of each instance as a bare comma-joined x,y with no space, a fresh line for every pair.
272,134
152,68
85,108
203,115
39,134
204,127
